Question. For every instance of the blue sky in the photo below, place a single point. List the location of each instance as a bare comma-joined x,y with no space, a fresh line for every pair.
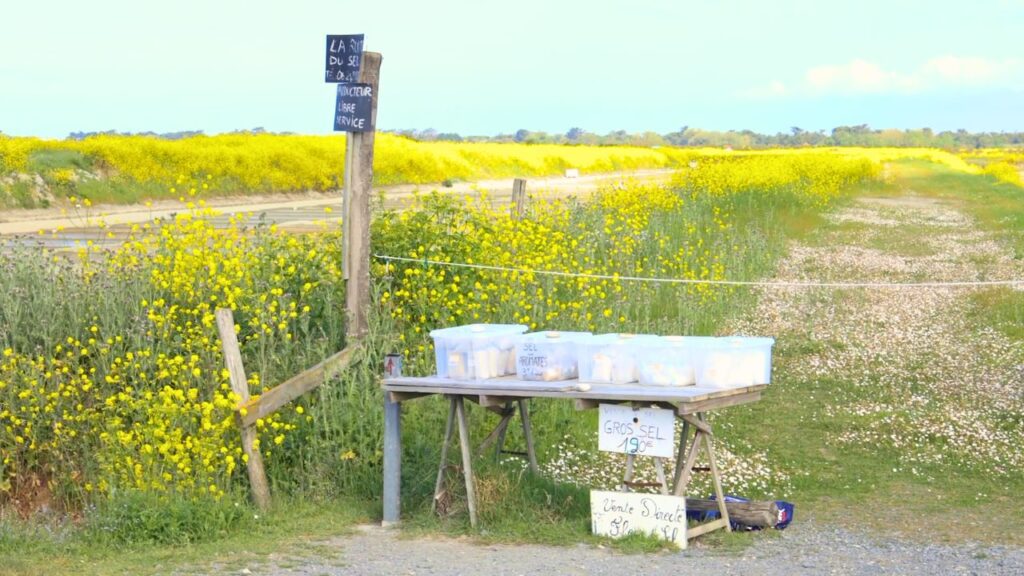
478,67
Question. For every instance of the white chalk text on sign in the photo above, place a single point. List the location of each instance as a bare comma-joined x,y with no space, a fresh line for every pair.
344,57
619,514
354,109
640,431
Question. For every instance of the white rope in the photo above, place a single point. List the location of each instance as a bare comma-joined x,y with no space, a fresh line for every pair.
769,284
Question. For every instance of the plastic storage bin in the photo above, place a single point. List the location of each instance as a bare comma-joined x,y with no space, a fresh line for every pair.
670,360
611,358
735,361
476,351
548,355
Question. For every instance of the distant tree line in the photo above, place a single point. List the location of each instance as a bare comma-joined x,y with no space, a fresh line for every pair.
859,135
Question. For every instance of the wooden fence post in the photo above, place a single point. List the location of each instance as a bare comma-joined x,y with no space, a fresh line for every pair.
240,386
518,197
357,216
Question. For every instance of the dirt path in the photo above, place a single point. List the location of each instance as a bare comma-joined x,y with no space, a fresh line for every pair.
888,337
303,210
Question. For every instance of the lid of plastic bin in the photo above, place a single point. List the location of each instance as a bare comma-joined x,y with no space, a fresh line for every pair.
684,341
556,336
473,330
743,341
619,338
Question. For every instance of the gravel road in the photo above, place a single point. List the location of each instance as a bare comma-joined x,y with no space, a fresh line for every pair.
804,548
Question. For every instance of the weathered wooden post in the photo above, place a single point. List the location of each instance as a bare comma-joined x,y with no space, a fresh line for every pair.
358,215
518,197
358,76
240,386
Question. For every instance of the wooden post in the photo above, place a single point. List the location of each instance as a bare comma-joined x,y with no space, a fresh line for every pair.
357,215
240,386
518,197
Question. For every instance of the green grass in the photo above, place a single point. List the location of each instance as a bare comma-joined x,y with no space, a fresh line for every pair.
45,161
291,528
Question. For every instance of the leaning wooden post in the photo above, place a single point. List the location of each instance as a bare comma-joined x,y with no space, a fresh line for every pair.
240,386
357,217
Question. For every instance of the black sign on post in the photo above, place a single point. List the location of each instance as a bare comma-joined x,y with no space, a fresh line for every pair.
344,57
353,112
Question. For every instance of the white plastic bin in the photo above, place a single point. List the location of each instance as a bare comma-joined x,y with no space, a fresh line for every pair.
549,355
476,351
611,358
670,360
735,361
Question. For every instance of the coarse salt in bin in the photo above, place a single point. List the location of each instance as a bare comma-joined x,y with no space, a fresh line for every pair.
735,361
670,360
476,351
611,358
549,355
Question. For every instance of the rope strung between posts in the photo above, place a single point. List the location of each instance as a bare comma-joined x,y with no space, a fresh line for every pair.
767,284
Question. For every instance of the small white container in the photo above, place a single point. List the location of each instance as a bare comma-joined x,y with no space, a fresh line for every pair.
476,351
670,360
549,355
611,358
735,361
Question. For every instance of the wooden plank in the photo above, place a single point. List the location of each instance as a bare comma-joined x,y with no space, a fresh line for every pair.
693,421
488,401
240,386
296,386
403,396
707,527
686,408
357,295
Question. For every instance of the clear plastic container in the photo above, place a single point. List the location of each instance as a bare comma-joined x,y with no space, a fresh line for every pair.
735,361
549,355
476,351
670,360
611,358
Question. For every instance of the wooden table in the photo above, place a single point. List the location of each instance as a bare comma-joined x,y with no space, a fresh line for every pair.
505,395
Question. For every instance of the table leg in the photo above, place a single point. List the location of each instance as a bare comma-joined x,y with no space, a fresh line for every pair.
467,458
681,455
716,480
448,431
501,435
524,417
392,461
629,473
659,467
684,473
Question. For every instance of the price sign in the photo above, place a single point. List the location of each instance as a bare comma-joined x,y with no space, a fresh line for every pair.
640,431
344,57
354,109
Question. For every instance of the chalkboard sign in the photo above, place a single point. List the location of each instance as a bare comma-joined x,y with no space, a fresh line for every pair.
344,56
354,108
